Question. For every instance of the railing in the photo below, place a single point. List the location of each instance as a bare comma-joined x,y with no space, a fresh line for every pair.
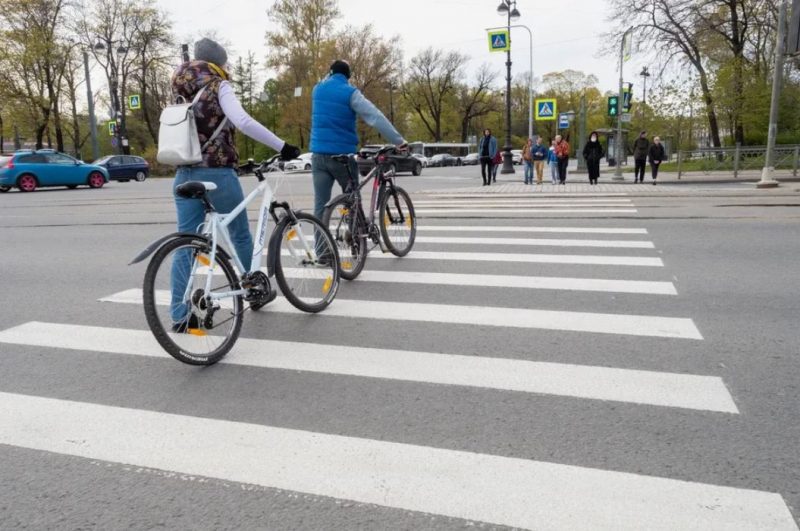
738,160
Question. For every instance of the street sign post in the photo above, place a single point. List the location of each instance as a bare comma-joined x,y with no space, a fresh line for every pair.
134,102
626,117
546,109
499,40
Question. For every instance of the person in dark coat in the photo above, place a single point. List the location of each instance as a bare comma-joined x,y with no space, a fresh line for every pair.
487,149
657,156
592,153
640,148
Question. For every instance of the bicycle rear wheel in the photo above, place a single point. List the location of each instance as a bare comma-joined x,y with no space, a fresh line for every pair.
306,267
185,322
397,221
341,218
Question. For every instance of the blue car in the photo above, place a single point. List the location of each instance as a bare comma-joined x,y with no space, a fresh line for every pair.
29,170
124,167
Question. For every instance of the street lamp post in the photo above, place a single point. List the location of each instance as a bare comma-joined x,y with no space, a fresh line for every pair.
620,149
508,8
116,108
530,81
90,96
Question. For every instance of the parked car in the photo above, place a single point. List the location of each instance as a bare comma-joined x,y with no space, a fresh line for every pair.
444,159
471,160
124,167
516,156
402,161
29,170
422,158
302,163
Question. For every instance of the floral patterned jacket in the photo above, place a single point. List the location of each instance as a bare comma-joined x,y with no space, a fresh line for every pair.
187,80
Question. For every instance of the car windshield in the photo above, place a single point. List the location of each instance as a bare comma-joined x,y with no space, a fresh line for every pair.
102,160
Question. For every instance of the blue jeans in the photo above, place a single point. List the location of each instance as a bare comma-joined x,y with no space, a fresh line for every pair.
191,215
528,172
324,172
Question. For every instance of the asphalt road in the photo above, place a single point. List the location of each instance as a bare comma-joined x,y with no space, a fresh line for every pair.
594,362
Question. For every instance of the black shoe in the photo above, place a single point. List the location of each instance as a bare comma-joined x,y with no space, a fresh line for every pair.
184,326
654,182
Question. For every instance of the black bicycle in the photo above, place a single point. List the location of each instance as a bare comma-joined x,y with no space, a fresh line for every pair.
357,233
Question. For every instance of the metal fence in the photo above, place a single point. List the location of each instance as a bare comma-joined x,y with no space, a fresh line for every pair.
738,160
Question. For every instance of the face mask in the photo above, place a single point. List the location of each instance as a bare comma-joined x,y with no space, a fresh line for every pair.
594,139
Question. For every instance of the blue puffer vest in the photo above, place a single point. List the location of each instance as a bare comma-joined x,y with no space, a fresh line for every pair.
333,122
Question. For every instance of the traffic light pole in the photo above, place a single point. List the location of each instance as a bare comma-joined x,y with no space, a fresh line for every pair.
620,108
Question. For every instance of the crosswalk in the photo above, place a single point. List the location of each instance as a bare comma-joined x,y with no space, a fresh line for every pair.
464,282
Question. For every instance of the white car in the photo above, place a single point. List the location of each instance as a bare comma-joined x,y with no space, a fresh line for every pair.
302,163
516,156
422,158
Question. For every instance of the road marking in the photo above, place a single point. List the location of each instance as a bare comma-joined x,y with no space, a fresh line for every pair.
518,204
508,281
580,259
537,210
518,200
686,391
599,323
488,488
522,195
545,242
500,228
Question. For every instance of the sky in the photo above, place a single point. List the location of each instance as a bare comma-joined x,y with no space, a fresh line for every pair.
566,33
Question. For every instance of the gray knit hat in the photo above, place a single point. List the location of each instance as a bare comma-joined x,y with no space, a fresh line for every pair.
210,52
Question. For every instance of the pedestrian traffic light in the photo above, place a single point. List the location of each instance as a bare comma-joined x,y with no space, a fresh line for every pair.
613,105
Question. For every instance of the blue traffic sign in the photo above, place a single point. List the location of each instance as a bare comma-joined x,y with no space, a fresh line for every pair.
563,121
546,109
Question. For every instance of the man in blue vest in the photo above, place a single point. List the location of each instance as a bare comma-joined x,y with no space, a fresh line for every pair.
335,106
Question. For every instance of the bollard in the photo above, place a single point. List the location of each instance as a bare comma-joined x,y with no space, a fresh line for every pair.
679,164
736,155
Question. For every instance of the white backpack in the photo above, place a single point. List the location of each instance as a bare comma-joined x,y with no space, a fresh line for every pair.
178,143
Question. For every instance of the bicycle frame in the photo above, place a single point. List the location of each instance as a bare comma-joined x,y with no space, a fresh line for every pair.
216,227
379,178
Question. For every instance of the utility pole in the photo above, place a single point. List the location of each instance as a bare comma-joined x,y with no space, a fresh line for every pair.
90,98
581,134
768,173
620,107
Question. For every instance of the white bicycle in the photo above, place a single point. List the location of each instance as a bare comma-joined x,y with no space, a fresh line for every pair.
194,297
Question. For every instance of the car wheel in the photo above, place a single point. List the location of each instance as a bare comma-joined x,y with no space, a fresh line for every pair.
308,167
417,169
4,189
140,176
27,183
96,180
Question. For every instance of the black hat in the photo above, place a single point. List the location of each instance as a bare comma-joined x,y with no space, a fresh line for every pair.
340,67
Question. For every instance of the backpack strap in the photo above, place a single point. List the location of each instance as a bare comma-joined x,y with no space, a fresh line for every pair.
217,131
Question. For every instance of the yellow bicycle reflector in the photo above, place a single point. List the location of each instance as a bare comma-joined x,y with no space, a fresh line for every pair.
408,222
327,286
291,235
343,211
347,265
204,260
196,332
386,221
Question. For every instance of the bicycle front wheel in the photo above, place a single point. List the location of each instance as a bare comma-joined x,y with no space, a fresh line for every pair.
397,221
307,265
341,219
194,324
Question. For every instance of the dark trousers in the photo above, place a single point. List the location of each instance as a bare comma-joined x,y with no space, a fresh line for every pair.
486,164
594,169
654,169
562,170
639,171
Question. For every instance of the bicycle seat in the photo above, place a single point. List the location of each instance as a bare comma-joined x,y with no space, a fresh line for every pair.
344,159
194,189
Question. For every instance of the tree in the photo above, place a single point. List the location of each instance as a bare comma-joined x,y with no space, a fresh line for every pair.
431,79
476,100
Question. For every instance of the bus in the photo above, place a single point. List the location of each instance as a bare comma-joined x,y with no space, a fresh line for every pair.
431,149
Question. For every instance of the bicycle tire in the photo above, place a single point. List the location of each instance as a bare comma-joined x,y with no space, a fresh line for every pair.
352,251
168,339
393,215
328,275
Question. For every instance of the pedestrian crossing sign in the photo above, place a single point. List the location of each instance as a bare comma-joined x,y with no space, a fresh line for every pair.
546,109
134,102
499,41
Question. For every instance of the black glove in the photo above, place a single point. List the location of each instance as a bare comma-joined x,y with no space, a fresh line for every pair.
289,152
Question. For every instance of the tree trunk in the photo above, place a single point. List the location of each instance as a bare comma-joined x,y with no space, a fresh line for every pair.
2,138
713,124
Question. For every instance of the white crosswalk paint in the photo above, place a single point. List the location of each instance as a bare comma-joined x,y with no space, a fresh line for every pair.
518,204
529,195
509,281
537,210
705,393
543,242
488,488
600,323
521,201
502,228
580,259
